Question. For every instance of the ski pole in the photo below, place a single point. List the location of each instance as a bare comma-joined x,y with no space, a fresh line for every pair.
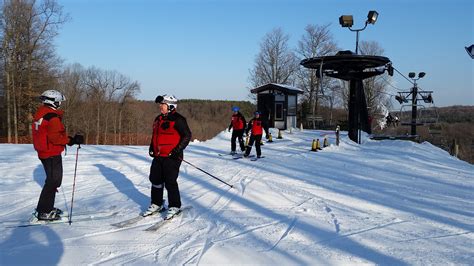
206,172
74,184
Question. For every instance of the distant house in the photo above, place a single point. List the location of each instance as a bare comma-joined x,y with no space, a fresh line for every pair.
278,103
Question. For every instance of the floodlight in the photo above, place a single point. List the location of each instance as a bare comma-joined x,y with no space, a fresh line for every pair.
372,17
421,74
411,75
470,51
346,21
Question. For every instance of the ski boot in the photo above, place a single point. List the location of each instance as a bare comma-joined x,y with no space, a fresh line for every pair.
48,216
152,209
172,211
58,211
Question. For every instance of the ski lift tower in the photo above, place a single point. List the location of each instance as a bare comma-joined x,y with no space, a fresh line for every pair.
354,68
426,97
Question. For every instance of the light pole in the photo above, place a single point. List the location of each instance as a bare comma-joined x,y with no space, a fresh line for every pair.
414,101
347,21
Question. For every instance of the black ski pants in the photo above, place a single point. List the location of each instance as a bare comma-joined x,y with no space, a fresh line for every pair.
257,139
53,167
237,134
164,172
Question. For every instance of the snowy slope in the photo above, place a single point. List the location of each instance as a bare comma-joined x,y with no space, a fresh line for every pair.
382,202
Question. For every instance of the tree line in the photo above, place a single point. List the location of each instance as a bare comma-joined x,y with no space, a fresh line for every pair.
106,98
29,63
100,103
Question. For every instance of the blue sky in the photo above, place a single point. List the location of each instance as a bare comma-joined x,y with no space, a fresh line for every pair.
204,49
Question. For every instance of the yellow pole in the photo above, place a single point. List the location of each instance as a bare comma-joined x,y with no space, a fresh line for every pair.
313,146
318,145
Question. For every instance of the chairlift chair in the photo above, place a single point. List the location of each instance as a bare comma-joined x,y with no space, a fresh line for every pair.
424,116
405,115
429,115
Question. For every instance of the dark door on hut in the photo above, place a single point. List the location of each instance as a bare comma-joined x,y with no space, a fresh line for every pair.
266,106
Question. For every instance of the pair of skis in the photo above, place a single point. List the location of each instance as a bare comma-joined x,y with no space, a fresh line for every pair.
154,226
63,220
250,157
95,217
237,156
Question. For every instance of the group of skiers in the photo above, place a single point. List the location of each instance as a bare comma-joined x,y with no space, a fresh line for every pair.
171,135
256,126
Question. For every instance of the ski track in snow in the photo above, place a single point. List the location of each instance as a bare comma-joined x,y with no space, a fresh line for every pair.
287,231
347,204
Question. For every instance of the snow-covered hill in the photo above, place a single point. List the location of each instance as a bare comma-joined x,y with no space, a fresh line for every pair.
381,202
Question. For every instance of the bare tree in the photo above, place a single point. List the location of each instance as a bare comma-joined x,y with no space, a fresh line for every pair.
27,32
130,89
72,85
275,63
96,82
316,41
101,96
375,87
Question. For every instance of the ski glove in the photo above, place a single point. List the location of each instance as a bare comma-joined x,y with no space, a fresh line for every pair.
79,139
150,152
174,154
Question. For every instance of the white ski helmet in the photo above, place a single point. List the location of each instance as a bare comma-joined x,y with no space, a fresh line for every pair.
170,100
52,98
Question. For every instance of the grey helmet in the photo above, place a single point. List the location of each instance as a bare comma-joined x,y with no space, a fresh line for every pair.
170,100
52,98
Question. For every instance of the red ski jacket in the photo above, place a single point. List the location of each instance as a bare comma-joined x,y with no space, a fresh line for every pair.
49,134
257,125
170,132
238,122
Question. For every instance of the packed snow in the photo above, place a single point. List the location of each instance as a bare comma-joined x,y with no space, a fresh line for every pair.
381,202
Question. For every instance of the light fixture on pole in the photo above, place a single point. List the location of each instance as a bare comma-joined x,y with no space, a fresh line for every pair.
414,100
347,21
470,51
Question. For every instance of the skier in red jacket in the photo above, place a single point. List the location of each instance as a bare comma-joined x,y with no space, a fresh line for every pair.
171,135
257,125
238,123
49,140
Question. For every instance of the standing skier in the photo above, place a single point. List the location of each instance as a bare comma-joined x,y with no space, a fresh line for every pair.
170,137
238,124
49,140
257,125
